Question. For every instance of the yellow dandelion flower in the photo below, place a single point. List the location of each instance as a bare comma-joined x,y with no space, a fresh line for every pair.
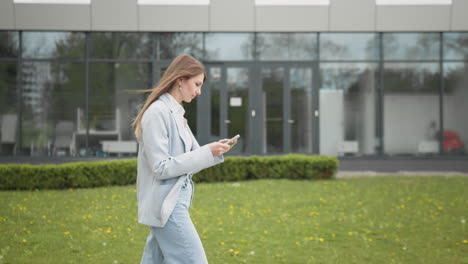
236,252
311,238
231,250
44,217
321,239
24,240
350,233
465,241
265,232
370,239
221,243
66,233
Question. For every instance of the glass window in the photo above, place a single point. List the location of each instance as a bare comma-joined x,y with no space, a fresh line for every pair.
237,107
411,77
300,80
272,107
52,95
8,109
455,108
229,46
456,46
119,45
348,46
411,107
347,102
172,44
286,46
411,46
53,45
113,103
214,85
9,44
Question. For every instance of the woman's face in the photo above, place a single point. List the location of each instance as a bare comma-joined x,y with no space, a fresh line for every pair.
191,88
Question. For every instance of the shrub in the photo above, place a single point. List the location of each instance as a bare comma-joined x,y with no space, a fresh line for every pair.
123,172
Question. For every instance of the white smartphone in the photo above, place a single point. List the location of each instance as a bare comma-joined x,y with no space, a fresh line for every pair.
231,141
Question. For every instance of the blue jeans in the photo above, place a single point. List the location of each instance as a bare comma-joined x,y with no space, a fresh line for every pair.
178,240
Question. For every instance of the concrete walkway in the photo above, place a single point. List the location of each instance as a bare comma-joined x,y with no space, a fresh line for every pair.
402,167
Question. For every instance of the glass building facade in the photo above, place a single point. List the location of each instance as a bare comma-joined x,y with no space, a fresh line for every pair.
359,94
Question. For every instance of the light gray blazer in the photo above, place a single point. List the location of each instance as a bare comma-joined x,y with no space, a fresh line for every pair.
164,161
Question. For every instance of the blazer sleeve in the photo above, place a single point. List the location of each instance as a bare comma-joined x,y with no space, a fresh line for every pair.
155,137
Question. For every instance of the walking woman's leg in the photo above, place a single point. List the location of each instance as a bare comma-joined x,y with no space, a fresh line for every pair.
152,253
179,240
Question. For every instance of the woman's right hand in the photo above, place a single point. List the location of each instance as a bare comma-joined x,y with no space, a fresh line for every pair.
218,148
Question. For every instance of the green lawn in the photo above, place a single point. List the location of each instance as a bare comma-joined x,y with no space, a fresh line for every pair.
358,220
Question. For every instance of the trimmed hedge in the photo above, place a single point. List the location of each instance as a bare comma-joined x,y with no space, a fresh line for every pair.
123,172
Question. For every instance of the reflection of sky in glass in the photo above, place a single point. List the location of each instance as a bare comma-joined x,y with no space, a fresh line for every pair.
342,76
215,74
451,67
43,44
229,46
301,78
237,77
348,46
286,46
411,46
173,44
456,46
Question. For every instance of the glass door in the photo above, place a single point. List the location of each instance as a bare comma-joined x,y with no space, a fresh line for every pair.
288,110
300,122
223,106
272,110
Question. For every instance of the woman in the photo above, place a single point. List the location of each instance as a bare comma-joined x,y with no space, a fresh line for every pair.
168,157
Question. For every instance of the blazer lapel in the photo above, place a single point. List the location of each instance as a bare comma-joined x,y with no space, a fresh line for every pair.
182,132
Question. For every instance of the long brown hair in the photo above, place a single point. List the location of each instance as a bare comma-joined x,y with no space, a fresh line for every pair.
183,66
